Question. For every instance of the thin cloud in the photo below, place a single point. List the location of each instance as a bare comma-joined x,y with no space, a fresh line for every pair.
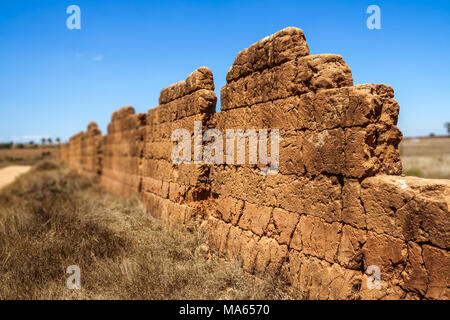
28,137
98,58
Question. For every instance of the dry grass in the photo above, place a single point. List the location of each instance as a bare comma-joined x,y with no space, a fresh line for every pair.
51,218
426,157
27,156
27,153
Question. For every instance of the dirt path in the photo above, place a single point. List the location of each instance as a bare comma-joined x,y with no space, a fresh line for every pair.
9,174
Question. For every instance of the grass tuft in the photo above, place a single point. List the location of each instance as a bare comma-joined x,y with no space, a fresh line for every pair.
51,218
413,173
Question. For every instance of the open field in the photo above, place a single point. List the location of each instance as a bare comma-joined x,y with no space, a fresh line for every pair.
426,157
51,218
26,156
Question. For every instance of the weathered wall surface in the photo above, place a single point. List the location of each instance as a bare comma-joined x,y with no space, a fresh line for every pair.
171,192
122,150
92,155
76,151
84,151
338,204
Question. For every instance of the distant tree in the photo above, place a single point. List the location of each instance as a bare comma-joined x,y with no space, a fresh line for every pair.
20,146
58,140
432,134
31,142
447,126
7,145
49,140
43,140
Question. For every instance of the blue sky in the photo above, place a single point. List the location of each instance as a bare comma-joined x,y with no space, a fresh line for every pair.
53,80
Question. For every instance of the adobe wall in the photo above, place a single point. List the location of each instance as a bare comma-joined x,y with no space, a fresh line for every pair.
122,151
84,151
338,203
172,192
92,155
76,152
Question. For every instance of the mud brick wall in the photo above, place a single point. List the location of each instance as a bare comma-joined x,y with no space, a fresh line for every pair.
337,206
332,133
63,153
76,152
122,149
174,192
84,151
92,153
